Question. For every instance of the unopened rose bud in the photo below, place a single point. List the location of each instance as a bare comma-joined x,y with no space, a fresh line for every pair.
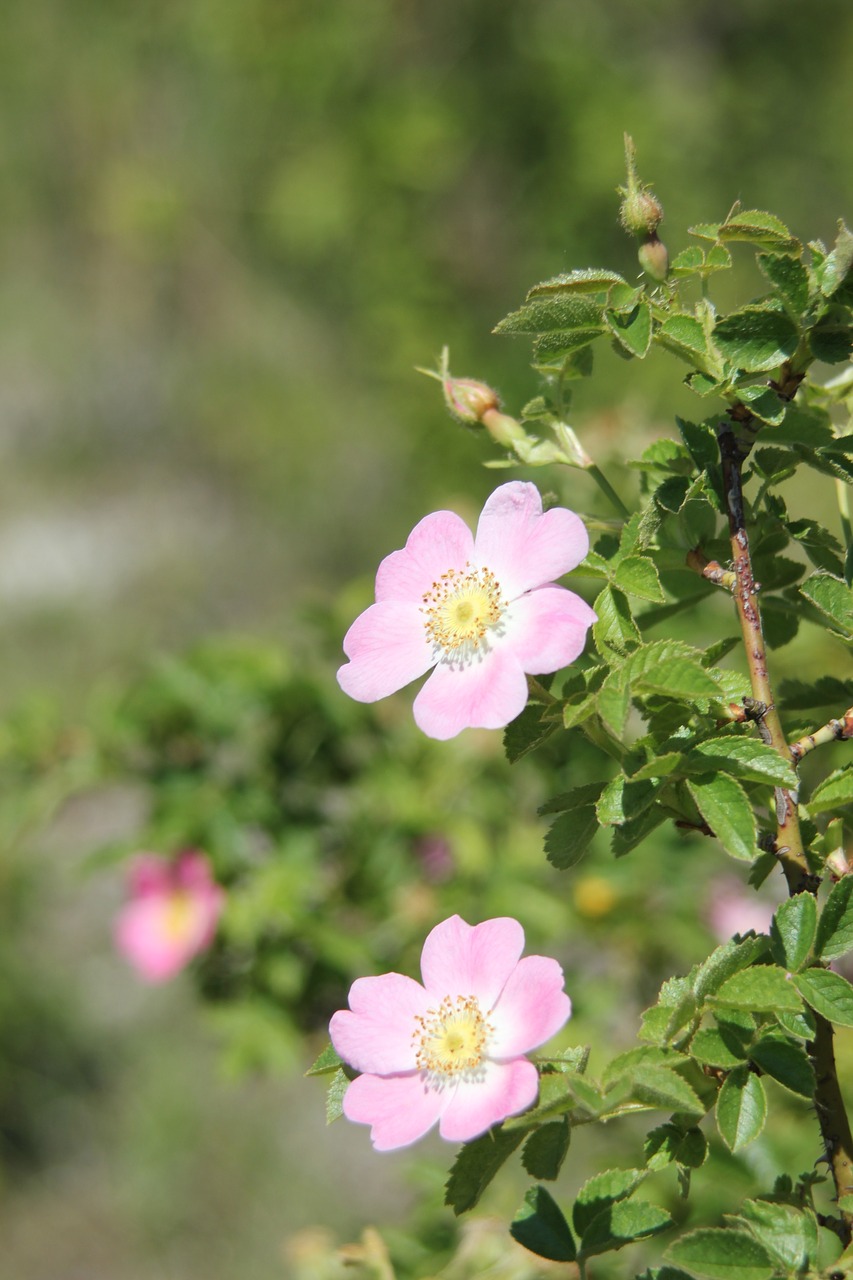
838,864
654,258
467,399
640,213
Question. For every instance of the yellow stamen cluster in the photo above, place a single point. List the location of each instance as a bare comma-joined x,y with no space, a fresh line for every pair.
451,1039
460,609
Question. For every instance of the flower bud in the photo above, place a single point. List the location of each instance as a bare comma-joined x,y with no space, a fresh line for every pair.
467,399
654,258
640,213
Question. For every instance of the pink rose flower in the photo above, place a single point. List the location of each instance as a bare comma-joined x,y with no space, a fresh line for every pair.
450,1051
171,915
482,611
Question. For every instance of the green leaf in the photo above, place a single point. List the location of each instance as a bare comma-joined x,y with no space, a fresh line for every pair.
754,226
327,1061
634,832
828,994
789,1234
715,1253
633,331
668,1144
719,1046
688,262
792,931
834,791
476,1165
337,1087
661,1088
763,987
622,1223
638,576
833,597
724,805
530,729
588,280
741,1109
746,758
571,834
565,352
621,800
822,547
546,1149
540,1227
755,339
615,632
786,1062
601,1191
835,927
683,335
788,277
556,314
763,403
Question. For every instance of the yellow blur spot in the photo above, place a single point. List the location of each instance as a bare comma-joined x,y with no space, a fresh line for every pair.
594,897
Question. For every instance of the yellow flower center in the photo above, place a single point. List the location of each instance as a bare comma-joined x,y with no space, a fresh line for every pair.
451,1040
459,610
178,916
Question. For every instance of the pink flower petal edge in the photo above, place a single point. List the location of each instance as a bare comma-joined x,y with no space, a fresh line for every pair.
451,1051
482,611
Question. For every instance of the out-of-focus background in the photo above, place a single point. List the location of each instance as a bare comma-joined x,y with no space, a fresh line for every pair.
230,231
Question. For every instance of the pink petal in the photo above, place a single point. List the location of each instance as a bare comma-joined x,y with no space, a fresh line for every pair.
439,542
387,648
149,873
399,1109
485,695
460,959
523,547
505,1089
155,950
375,1033
532,1007
546,629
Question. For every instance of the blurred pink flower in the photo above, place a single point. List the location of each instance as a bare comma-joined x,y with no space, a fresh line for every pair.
171,915
735,909
483,612
450,1051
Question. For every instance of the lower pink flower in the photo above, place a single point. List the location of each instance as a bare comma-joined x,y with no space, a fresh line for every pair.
451,1051
171,915
482,611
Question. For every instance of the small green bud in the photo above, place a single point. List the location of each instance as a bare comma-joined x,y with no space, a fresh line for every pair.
640,213
654,258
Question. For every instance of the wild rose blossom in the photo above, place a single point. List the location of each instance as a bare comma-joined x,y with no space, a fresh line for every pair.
451,1051
171,915
482,611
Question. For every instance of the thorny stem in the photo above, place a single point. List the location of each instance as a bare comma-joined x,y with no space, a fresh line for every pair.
829,1103
789,843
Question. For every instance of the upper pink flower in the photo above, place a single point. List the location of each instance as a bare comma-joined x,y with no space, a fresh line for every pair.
481,610
172,913
453,1049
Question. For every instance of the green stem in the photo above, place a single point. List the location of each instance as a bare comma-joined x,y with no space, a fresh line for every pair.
607,489
844,511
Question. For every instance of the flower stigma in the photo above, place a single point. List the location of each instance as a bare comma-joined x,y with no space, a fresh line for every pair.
451,1040
460,608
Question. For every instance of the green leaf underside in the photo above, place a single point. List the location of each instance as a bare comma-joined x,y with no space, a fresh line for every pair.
834,791
756,340
832,597
326,1062
788,1233
718,1254
724,805
540,1227
587,280
335,1095
747,758
762,987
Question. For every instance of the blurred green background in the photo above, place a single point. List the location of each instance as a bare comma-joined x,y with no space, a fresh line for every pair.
231,229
